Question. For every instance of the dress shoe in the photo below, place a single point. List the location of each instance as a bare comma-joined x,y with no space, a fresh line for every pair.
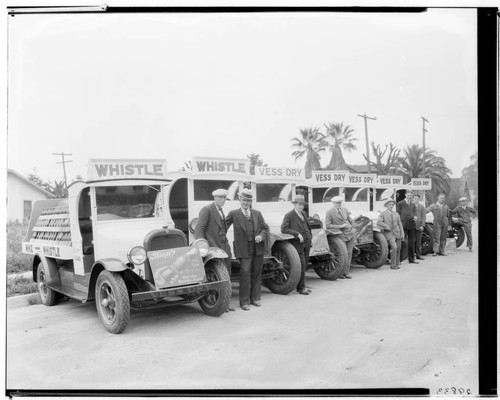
413,262
398,267
342,277
255,303
394,267
442,254
304,291
245,307
434,254
347,276
419,258
230,309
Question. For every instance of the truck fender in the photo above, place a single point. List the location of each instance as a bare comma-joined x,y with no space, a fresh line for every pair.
214,252
111,264
276,237
51,269
376,229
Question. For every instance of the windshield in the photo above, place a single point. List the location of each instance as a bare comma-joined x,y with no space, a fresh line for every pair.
203,189
122,202
274,192
324,195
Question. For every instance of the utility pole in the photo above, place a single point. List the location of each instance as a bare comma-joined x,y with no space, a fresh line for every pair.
365,117
371,192
63,162
423,145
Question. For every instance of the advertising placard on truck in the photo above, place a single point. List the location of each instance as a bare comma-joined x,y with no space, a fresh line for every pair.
105,169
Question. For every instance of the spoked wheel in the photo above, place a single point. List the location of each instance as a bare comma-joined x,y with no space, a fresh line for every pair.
427,240
286,279
47,295
216,301
375,256
460,236
335,268
112,301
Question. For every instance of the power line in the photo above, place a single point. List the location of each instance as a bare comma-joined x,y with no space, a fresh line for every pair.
63,162
365,117
424,120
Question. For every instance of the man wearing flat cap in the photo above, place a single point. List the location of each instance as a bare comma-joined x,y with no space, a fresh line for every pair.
212,226
338,218
250,241
465,215
295,223
390,224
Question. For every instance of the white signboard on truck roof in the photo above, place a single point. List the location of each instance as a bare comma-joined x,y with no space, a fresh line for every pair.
329,178
421,183
222,166
105,169
361,180
389,181
281,174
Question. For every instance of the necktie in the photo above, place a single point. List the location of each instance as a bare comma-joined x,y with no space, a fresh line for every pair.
247,213
223,217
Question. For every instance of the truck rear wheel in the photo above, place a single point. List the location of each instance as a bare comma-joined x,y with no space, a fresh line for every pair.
375,255
112,301
216,302
47,295
427,240
460,236
285,280
335,268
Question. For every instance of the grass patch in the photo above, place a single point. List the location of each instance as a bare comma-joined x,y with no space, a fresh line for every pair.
16,260
19,285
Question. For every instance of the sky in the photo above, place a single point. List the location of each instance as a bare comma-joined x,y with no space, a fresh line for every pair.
176,86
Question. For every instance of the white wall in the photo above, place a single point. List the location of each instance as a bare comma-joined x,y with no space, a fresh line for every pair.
17,192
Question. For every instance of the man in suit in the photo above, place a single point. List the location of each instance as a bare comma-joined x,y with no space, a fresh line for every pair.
441,213
212,226
338,218
465,214
392,228
408,214
295,223
419,225
250,238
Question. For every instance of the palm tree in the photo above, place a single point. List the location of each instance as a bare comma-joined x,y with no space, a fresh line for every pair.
340,137
435,168
58,189
311,143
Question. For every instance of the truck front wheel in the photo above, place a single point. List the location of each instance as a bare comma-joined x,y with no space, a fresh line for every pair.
216,302
376,254
47,295
112,301
336,266
286,279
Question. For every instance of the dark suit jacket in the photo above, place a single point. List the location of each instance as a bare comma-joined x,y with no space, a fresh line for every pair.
210,227
240,244
292,225
406,212
421,216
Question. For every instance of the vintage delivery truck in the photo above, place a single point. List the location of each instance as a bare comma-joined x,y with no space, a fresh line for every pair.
191,190
111,242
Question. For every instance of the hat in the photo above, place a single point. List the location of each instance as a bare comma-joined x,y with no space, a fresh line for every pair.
246,194
387,201
299,199
220,192
337,199
462,198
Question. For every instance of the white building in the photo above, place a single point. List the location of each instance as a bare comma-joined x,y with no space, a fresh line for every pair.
21,194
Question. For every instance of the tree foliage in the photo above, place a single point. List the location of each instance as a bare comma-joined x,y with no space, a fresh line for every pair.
339,138
310,143
392,165
255,161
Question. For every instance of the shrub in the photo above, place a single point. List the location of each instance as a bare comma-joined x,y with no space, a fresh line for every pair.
20,285
16,260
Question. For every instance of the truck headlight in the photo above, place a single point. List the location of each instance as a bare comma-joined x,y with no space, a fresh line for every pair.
137,255
202,246
192,225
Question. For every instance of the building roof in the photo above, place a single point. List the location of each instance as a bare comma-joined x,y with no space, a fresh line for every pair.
361,169
34,185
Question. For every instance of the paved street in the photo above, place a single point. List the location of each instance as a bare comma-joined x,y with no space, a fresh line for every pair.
414,327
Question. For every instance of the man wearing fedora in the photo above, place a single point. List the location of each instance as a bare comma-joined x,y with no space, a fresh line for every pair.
465,215
295,223
338,218
250,241
408,214
392,228
212,226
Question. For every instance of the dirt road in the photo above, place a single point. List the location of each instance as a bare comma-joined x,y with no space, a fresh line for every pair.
414,327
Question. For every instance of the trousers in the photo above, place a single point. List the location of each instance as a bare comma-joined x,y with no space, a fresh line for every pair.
250,280
440,233
394,251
